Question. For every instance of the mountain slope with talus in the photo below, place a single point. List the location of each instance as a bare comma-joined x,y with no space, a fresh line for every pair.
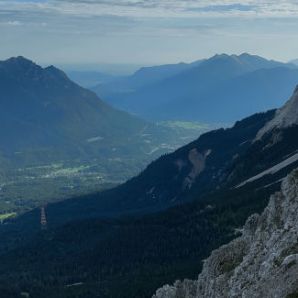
263,261
218,160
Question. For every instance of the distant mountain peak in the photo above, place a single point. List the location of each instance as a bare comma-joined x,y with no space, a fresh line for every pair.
286,116
56,72
243,57
220,56
245,54
20,67
19,60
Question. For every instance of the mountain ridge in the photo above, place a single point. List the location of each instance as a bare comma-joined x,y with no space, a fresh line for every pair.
186,95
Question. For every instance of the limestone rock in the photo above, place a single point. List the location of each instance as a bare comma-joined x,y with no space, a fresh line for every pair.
286,116
262,263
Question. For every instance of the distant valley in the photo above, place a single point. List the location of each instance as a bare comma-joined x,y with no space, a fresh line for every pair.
60,140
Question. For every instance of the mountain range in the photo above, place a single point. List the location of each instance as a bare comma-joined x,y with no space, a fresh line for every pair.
221,89
50,111
59,139
158,226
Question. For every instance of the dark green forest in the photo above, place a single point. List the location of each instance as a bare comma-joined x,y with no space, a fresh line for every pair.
128,257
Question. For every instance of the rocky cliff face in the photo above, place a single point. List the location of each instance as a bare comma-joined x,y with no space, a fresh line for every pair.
286,116
263,262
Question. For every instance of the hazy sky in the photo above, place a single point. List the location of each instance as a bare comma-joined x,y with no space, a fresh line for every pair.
146,31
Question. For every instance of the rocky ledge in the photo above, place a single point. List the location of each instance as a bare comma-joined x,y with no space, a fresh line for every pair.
263,262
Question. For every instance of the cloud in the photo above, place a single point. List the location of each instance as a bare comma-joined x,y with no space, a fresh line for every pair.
158,8
226,8
145,30
13,23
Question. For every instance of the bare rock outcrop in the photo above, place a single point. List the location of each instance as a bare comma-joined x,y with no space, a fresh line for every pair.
198,161
262,263
286,116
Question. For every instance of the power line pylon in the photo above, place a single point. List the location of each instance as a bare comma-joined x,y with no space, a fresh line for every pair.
43,218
